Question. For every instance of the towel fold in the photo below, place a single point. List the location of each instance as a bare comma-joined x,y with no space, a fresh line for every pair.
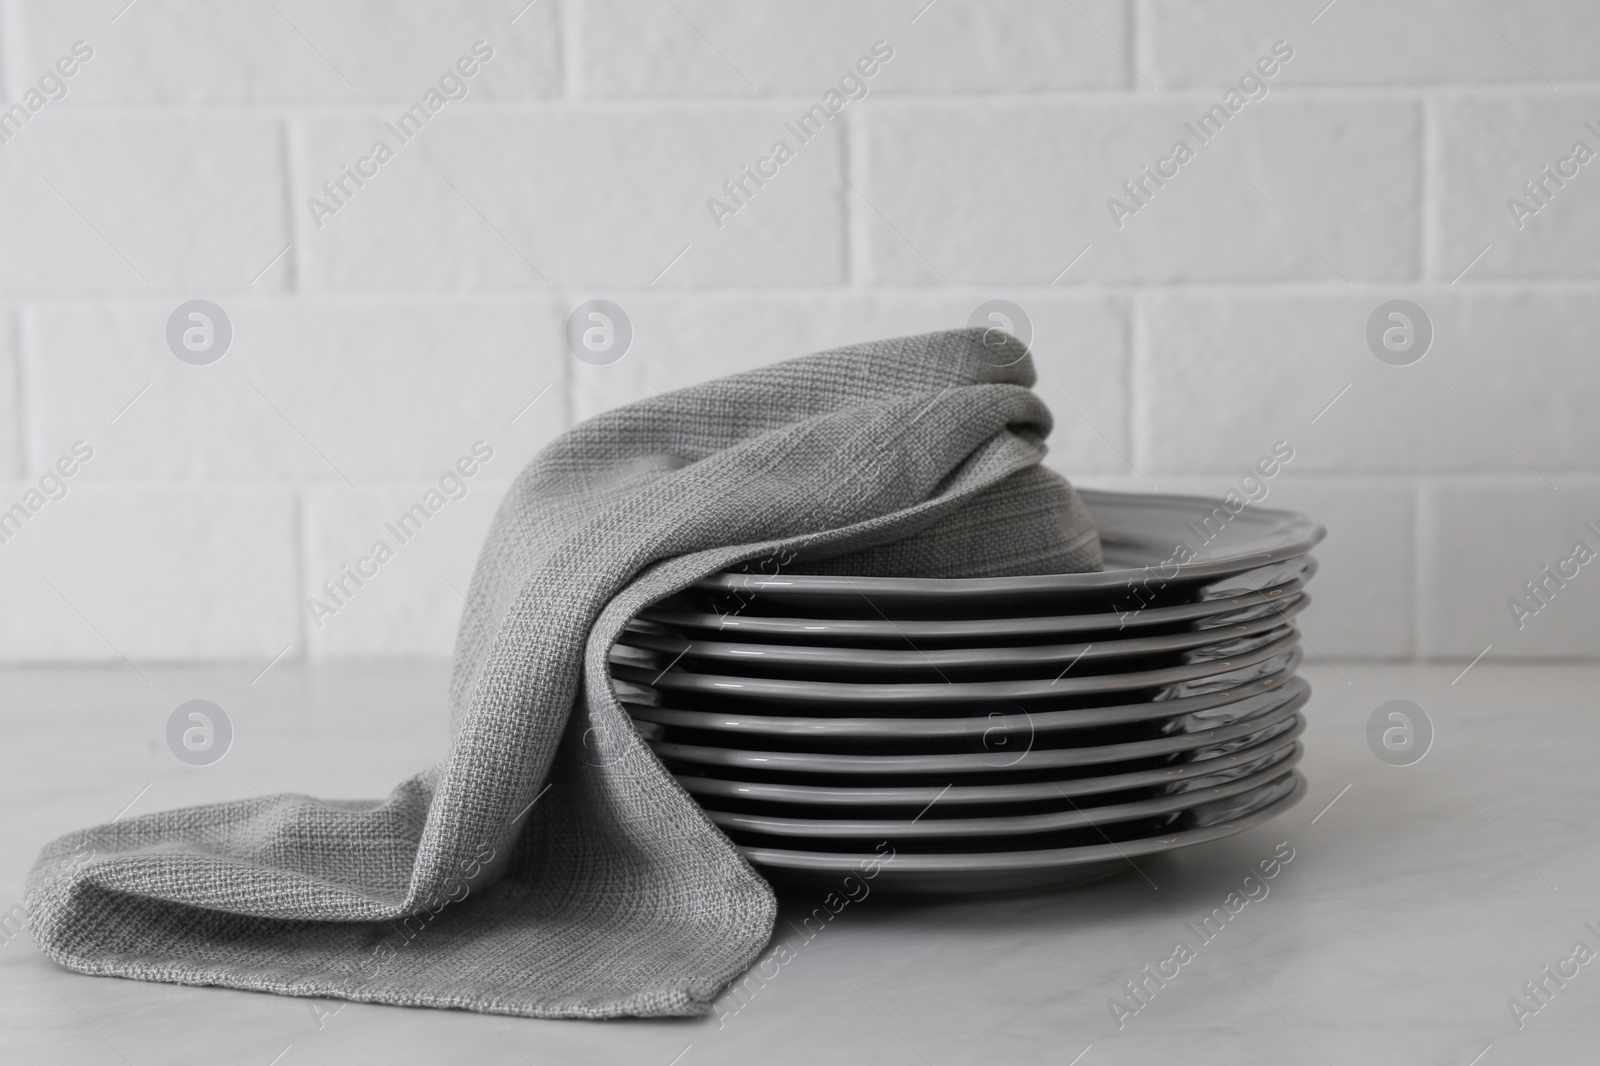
549,866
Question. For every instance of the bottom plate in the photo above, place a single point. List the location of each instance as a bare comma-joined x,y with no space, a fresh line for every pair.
907,873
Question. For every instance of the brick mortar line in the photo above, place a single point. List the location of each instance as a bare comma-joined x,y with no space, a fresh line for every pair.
11,48
1137,40
1318,479
245,486
1421,528
28,449
857,242
293,162
561,294
1198,94
569,46
19,387
1392,479
1428,222
299,567
1137,319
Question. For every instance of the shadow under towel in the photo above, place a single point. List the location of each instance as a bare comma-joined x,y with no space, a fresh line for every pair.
549,866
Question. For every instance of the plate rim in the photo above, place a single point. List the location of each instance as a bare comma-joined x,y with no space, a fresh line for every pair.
913,795
1166,803
878,628
1305,535
961,762
1011,861
757,688
819,655
1048,721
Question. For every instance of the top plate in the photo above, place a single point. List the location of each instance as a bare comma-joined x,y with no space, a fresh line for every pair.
1144,538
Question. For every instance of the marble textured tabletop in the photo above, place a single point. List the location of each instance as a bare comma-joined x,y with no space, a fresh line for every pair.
1419,904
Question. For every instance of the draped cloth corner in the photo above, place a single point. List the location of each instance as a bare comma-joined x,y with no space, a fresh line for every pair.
549,865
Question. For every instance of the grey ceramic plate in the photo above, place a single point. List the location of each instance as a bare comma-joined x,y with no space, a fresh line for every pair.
824,662
923,728
1175,777
675,679
908,873
1238,605
898,829
1139,536
1243,733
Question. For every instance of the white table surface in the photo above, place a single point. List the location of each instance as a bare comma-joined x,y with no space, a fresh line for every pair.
1414,909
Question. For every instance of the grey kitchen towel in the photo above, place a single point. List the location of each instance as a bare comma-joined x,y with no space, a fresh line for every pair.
549,865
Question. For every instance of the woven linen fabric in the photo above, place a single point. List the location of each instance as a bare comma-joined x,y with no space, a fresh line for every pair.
549,865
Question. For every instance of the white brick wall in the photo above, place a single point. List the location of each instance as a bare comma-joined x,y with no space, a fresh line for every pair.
374,345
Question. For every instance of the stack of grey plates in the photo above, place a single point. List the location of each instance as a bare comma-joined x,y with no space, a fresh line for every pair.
990,734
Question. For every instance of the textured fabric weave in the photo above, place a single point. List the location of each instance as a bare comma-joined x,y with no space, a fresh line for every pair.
549,866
